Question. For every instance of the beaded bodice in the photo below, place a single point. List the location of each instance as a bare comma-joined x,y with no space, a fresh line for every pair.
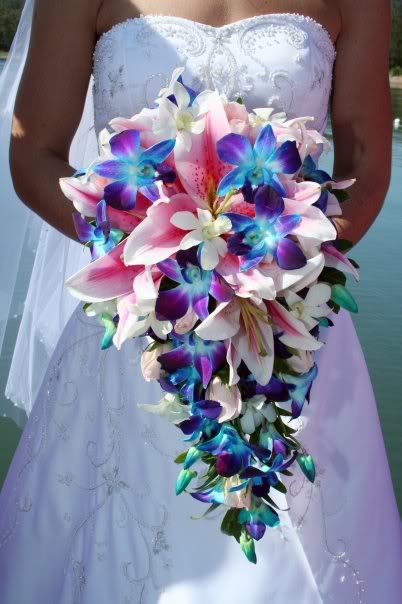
281,60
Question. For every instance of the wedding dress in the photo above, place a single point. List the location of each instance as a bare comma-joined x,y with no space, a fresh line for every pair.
88,512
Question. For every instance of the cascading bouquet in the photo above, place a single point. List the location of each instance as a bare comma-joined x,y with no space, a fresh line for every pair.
210,232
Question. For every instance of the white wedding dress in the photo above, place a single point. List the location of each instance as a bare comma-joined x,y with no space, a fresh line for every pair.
88,512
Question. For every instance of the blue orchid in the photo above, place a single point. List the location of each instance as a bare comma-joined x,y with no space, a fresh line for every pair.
309,171
254,238
265,477
257,519
259,164
134,169
232,452
101,238
195,285
191,362
299,388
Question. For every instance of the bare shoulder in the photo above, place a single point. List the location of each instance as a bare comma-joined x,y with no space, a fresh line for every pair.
365,15
67,11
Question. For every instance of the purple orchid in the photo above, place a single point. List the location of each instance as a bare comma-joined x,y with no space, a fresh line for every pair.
259,164
191,363
134,169
254,238
101,238
194,287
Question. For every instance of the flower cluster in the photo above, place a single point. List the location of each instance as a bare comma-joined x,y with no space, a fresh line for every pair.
210,231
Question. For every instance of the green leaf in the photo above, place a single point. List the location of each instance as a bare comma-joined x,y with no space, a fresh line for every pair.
334,307
340,194
283,412
183,480
340,295
279,486
211,508
247,546
180,458
307,466
343,245
223,374
271,502
332,276
229,525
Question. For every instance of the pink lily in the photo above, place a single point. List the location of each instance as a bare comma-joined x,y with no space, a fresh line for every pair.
245,325
86,196
335,259
200,169
104,279
295,334
156,238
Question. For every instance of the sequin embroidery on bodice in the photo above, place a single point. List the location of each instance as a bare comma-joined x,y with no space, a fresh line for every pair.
281,60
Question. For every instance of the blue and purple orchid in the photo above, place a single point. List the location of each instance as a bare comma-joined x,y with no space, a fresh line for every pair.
134,169
193,289
102,237
210,237
266,235
257,164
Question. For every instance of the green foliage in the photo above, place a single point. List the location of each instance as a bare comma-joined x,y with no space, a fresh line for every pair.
395,71
395,56
9,17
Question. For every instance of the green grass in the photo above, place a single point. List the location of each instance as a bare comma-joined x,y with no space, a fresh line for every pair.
9,437
3,54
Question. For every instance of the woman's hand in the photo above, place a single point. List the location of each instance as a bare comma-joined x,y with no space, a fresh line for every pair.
49,105
361,113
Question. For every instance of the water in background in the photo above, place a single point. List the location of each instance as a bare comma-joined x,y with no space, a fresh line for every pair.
379,322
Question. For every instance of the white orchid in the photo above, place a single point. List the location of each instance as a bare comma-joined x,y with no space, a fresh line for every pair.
313,307
170,407
254,411
183,118
204,229
265,115
96,309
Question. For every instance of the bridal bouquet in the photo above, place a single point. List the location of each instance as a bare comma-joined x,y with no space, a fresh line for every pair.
210,232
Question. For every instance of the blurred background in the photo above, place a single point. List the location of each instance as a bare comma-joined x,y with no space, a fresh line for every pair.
379,294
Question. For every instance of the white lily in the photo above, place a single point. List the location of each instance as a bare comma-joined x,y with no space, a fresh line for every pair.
311,308
254,411
137,311
228,396
206,230
169,406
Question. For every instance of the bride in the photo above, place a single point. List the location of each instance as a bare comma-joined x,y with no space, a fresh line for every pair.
88,511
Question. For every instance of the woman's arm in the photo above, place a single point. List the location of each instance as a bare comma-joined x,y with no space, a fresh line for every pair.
49,105
361,112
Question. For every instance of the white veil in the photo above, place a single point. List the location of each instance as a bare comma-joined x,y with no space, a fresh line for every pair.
35,259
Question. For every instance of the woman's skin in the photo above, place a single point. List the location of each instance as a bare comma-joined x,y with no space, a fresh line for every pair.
52,92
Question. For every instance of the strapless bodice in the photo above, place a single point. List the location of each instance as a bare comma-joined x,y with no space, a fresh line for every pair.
280,60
